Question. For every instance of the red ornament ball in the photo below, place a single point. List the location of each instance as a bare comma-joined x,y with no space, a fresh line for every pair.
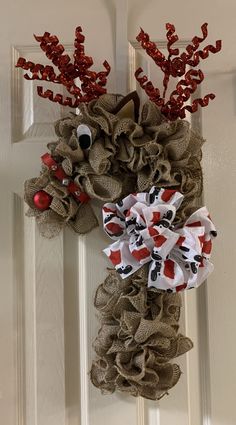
42,200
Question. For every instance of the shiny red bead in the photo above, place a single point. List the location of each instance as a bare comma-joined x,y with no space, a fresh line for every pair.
42,200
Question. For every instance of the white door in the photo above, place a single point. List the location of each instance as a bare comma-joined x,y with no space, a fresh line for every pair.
47,319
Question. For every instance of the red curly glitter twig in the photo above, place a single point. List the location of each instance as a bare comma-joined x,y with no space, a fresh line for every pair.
92,83
177,65
172,38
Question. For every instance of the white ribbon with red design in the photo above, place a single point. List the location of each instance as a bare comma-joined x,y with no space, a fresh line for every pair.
142,226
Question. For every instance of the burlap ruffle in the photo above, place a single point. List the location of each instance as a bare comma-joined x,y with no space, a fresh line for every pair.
138,338
63,210
126,154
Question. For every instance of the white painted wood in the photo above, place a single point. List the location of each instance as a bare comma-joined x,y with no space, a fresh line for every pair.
49,330
141,411
219,161
40,324
47,318
83,330
19,304
121,52
71,330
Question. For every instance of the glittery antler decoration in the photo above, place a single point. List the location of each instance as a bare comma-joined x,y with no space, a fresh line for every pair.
177,65
92,83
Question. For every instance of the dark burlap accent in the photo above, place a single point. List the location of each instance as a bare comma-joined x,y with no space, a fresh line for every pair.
138,338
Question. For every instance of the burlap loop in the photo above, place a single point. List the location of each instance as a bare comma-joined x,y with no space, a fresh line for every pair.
55,189
84,221
138,338
65,126
103,188
153,171
99,157
49,223
151,115
191,185
64,150
67,166
177,144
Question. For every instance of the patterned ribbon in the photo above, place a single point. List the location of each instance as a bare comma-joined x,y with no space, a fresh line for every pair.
141,225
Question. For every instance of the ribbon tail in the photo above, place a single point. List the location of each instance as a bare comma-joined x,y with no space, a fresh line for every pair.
204,272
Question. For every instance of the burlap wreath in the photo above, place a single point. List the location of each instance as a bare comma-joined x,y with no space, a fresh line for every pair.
119,154
139,335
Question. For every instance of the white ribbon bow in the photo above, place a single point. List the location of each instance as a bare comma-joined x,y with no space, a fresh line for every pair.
142,226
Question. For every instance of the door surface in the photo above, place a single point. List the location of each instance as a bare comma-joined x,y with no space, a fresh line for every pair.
47,319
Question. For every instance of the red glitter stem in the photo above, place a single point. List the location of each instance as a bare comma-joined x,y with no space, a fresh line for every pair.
177,65
92,83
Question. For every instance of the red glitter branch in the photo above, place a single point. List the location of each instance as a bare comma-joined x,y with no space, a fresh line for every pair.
92,83
177,65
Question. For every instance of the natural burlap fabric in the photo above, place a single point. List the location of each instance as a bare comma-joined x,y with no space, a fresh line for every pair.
125,157
135,156
138,338
63,208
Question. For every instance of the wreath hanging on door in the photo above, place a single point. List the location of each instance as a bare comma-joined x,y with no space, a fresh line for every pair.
143,164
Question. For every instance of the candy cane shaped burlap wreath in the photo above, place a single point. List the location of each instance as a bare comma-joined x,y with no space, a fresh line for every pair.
142,164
